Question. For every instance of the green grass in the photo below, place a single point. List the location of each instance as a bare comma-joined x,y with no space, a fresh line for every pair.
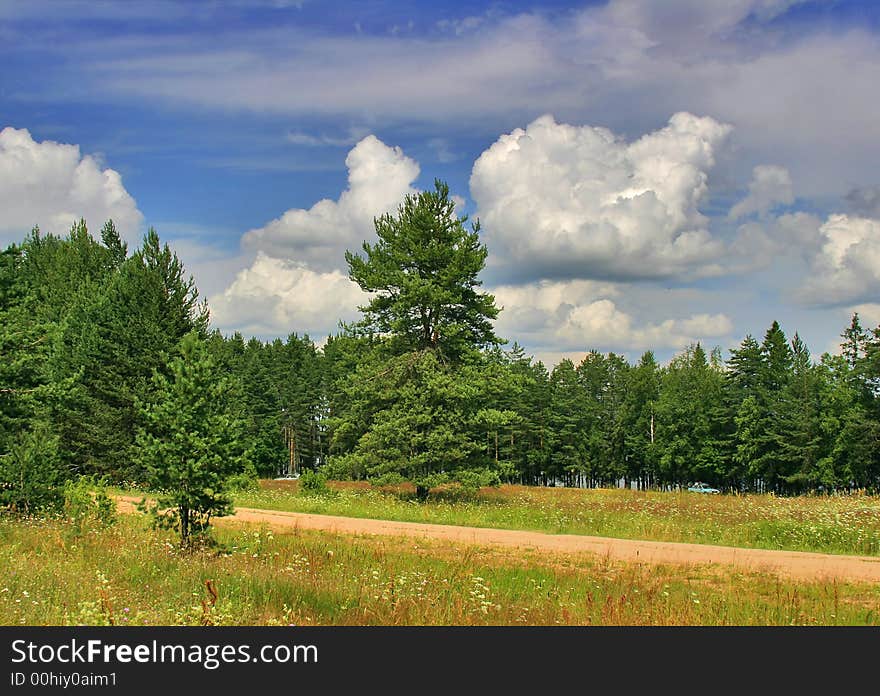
827,524
129,574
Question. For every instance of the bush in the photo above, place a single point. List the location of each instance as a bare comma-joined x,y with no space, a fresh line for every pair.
87,505
247,480
31,474
313,483
474,479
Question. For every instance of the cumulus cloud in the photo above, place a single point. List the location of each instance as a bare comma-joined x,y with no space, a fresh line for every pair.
770,186
584,315
274,297
295,282
628,62
847,267
791,237
577,201
53,185
379,177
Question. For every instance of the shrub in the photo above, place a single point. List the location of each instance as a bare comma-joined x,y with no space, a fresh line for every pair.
31,474
87,505
474,479
313,483
247,480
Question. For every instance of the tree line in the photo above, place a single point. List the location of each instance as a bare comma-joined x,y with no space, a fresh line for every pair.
110,367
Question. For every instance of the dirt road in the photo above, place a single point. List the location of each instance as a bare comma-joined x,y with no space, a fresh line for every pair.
793,564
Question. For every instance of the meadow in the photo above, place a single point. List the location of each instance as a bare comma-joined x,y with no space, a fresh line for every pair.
129,574
843,524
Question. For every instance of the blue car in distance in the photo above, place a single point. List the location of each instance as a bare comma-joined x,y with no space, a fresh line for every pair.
700,487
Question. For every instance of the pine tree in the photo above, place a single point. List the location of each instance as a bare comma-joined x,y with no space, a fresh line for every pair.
409,410
414,414
855,339
118,250
191,443
567,423
798,433
424,270
643,386
690,392
775,375
117,330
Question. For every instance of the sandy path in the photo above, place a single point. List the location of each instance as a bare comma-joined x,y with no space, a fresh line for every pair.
794,564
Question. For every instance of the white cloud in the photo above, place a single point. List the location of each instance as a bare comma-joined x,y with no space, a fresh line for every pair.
581,315
577,201
792,238
309,140
295,282
274,297
847,267
379,177
800,93
53,185
678,25
770,186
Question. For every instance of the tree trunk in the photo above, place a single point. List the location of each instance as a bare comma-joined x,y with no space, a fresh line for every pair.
184,526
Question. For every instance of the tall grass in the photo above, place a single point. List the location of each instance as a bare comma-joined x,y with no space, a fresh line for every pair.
128,574
828,524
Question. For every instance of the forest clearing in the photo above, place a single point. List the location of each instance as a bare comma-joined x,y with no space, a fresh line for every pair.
429,432
841,524
129,574
791,564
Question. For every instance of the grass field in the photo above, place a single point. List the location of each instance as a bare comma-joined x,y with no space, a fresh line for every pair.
129,574
827,524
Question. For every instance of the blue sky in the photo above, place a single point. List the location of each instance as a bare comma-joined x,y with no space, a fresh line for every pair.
647,173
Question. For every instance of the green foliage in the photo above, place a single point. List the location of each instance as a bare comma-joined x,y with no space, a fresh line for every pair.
246,480
31,475
87,504
119,331
191,444
424,270
474,479
416,413
418,391
313,483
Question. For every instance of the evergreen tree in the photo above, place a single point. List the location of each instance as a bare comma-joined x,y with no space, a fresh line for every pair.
416,414
567,427
769,464
536,411
687,437
798,430
191,444
638,418
116,248
31,473
424,270
855,340
409,410
116,332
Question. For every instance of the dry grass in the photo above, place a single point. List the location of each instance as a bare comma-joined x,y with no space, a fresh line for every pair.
827,524
129,574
